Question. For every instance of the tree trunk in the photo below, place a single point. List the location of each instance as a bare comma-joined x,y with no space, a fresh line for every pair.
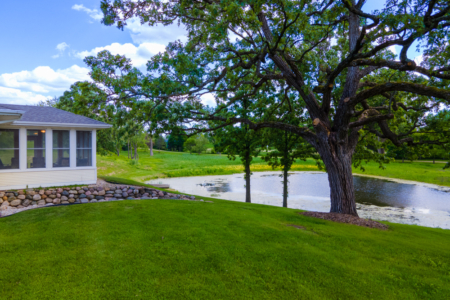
135,152
118,151
338,162
434,161
285,186
247,183
151,146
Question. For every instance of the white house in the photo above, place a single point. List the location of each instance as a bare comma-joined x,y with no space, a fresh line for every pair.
45,146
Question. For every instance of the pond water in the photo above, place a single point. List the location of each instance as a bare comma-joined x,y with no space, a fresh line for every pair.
404,202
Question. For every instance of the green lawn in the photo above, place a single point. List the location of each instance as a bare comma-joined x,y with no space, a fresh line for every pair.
168,249
176,164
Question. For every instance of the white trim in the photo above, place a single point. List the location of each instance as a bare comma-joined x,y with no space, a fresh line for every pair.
94,148
64,125
53,184
46,170
73,148
22,150
48,148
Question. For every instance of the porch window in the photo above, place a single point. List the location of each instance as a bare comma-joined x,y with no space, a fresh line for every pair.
35,149
84,148
9,149
61,148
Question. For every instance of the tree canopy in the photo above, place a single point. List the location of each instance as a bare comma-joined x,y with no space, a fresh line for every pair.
330,61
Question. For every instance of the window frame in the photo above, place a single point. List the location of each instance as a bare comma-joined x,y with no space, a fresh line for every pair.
43,149
62,149
12,149
84,148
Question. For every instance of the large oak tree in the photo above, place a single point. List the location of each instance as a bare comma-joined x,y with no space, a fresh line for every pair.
332,56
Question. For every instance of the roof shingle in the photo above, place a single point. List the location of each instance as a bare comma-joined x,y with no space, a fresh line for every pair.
46,114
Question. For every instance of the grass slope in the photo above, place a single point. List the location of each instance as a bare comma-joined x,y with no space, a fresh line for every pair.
176,164
168,249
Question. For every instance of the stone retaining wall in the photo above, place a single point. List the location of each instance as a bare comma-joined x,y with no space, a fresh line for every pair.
33,198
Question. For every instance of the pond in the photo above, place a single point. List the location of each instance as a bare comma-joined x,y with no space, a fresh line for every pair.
400,202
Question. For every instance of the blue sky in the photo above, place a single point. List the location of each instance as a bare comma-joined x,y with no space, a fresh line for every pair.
43,43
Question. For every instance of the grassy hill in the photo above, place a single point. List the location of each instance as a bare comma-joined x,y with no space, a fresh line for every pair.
176,164
169,249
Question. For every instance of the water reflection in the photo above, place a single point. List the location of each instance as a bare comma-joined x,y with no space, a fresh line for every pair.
376,198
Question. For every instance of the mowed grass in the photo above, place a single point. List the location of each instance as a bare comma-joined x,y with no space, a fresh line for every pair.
168,249
176,164
179,164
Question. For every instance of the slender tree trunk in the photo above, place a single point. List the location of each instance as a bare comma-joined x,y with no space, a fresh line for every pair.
434,160
151,146
135,151
338,162
285,186
128,148
118,151
247,183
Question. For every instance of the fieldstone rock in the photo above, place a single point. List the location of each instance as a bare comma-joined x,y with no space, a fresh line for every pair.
1,200
93,201
124,194
118,192
95,193
58,195
161,194
65,193
21,197
44,196
20,206
64,198
71,196
72,200
41,202
90,197
102,201
11,198
31,193
130,198
88,193
65,202
78,188
85,189
55,196
20,192
84,200
57,201
49,200
41,192
99,197
82,196
2,194
37,197
112,199
73,192
117,195
110,192
48,193
15,203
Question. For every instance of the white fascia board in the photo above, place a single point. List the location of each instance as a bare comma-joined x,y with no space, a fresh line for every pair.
68,125
11,115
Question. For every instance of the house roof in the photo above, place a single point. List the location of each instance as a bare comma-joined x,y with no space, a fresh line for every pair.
48,116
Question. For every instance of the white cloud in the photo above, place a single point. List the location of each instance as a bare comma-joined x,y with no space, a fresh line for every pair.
208,99
17,96
39,84
61,47
155,34
93,13
418,59
139,55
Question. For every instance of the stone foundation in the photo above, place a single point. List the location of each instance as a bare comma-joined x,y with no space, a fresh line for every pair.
15,201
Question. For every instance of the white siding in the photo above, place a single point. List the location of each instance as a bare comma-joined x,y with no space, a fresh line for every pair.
47,178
